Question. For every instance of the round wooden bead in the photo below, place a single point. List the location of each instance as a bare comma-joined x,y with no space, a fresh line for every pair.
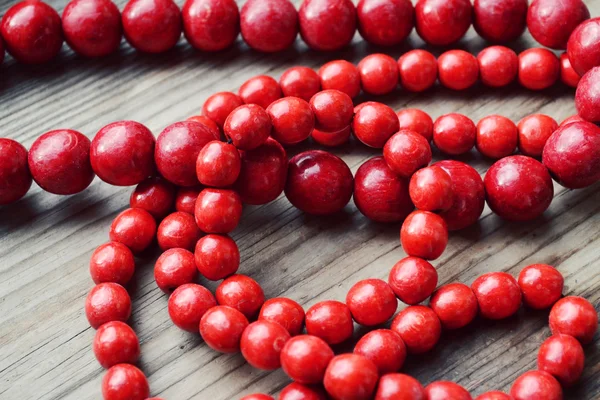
574,316
419,327
211,25
371,302
125,381
15,178
187,305
498,295
302,351
330,320
262,342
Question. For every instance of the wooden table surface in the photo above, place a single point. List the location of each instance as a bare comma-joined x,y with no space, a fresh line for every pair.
46,240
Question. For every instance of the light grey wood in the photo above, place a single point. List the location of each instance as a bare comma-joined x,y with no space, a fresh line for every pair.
46,240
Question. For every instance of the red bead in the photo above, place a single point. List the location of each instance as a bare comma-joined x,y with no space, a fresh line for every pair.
107,302
371,302
442,22
568,76
574,316
419,327
418,70
15,179
351,376
534,132
269,25
59,162
416,120
562,357
242,293
207,122
541,285
292,119
112,262
498,65
116,343
318,182
379,194
497,136
454,134
217,257
211,25
257,396
571,119
285,312
538,68
551,22
494,395
445,390
385,22
174,268
455,305
218,210
218,164
248,126
331,139
587,96
125,382
458,70
1,47
261,90
135,228
32,32
413,280
185,199
154,195
327,25
333,110
218,106
583,47
152,26
424,234
500,21
469,195
498,295
385,348
92,28
399,387
406,152
536,385
378,74
302,82
304,359
340,75
221,328
122,153
297,391
431,189
263,173
178,230
188,304
374,123
330,320
261,344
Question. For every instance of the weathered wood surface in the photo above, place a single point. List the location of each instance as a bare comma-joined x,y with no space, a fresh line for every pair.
46,240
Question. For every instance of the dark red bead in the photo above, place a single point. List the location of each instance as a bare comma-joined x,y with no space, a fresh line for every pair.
125,382
135,228
419,327
107,302
455,305
218,106
583,47
413,280
498,66
174,268
15,178
285,312
494,395
442,22
327,25
562,357
536,385
305,358
330,320
541,285
574,316
458,69
269,25
242,293
297,391
152,26
497,136
221,328
292,119
534,132
385,23
185,199
568,75
211,25
424,234
406,152
261,344
112,262
371,302
302,82
385,348
445,390
418,70
374,123
331,139
430,189
551,22
500,21
454,134
587,96
218,164
209,123
340,75
218,210
333,110
217,257
116,343
378,74
498,295
188,304
248,127
399,387
154,195
538,68
261,90
351,376
257,396
416,120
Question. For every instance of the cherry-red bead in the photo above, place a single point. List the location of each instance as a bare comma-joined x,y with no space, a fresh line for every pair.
178,230
32,32
385,23
222,327
583,47
574,316
217,257
442,22
534,132
380,194
211,25
372,302
261,90
302,82
218,106
413,280
498,295
248,126
419,327
498,65
209,123
297,391
541,285
122,153
445,390
430,189
458,69
406,152
174,268
455,305
152,26
261,344
116,343
416,120
497,136
185,199
399,387
218,164
385,348
333,110
188,304
269,25
562,357
587,96
304,359
374,123
454,134
568,75
59,162
424,234
500,21
15,178
112,262
125,382
257,396
538,68
536,385
292,119
332,139
330,320
551,22
327,25
135,228
107,302
378,74
285,312
340,75
154,195
494,395
418,70
242,293
351,376
218,210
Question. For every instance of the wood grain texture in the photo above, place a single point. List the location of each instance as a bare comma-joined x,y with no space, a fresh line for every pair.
46,240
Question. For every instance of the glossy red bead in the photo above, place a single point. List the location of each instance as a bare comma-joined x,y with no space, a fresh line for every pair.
416,120
331,321
332,139
32,32
351,376
406,152
211,25
413,280
551,22
261,344
248,126
445,390
188,304
221,327
217,257
568,75
498,65
571,119
538,68
340,75
455,305
242,293
574,316
218,106
424,234
122,153
399,387
218,164
494,395
178,230
372,302
430,189
562,357
285,312
498,295
441,22
418,70
454,134
269,25
458,69
541,285
419,327
536,385
297,391
327,25
261,90
583,47
302,352
107,302
534,132
125,382
209,123
301,82
385,348
15,178
116,343
135,228
500,21
374,123
218,210
333,110
385,22
174,268
587,96
292,119
59,162
154,195
152,26
497,136
257,396
112,262
185,199
378,74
